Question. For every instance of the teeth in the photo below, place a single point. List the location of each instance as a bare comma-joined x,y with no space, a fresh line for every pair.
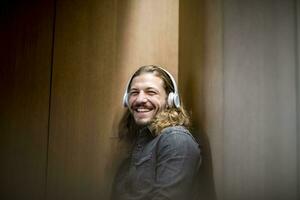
142,110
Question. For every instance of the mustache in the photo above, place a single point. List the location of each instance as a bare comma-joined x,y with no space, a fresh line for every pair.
140,105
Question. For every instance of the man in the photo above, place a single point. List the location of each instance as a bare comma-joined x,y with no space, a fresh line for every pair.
165,157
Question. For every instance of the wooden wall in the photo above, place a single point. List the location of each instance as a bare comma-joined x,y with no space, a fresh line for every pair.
64,65
97,46
64,70
25,71
246,99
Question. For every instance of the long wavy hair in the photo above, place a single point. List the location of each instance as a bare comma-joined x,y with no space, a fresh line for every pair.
170,116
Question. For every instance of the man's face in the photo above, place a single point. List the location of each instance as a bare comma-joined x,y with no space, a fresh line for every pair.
147,97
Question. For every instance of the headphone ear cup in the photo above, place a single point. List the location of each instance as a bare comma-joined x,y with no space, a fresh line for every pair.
176,100
125,100
171,99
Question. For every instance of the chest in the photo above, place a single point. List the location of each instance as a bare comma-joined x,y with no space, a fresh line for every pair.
142,169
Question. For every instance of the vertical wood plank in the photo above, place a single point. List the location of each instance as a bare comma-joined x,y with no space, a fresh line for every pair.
25,66
199,93
260,100
253,128
297,10
213,89
81,115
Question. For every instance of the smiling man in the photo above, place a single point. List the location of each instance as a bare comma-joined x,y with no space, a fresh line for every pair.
147,97
165,157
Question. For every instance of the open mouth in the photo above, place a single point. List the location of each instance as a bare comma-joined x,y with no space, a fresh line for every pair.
142,110
143,114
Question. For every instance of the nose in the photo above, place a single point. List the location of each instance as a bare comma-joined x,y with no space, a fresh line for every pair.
141,97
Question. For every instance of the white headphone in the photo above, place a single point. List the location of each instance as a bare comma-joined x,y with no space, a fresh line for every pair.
173,97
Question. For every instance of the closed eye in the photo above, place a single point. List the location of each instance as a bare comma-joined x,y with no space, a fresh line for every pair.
134,92
151,92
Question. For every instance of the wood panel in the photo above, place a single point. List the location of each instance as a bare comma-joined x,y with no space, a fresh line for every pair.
242,83
260,136
297,7
192,84
213,88
98,44
81,103
25,66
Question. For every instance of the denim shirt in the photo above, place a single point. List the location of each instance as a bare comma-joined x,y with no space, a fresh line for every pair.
161,167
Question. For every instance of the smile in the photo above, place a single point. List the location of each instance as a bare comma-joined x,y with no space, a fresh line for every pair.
142,110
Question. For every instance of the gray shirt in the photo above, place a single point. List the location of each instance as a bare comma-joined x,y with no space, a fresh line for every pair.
161,167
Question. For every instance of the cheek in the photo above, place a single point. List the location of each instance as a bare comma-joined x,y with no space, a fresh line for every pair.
130,100
159,103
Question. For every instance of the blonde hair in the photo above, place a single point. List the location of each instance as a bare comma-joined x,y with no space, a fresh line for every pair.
165,118
169,117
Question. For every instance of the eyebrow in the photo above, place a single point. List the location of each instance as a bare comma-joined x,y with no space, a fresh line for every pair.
147,88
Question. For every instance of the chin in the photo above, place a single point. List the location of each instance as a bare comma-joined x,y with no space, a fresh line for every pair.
142,122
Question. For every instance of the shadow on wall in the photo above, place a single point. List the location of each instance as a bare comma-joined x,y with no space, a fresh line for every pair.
205,186
192,86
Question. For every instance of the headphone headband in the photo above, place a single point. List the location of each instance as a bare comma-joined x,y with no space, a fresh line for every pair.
173,97
172,79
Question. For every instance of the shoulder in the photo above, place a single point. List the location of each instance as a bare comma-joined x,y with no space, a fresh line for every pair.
177,136
175,129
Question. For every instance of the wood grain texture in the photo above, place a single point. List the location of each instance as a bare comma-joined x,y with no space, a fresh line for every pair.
98,44
25,64
193,79
238,71
297,7
81,115
260,136
241,83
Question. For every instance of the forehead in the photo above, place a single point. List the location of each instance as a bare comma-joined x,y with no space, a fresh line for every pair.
147,80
